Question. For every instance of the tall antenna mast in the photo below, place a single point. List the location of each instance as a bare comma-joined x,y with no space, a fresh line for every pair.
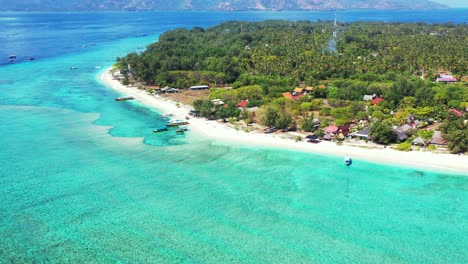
334,27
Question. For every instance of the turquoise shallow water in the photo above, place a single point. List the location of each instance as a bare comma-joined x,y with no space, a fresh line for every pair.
83,179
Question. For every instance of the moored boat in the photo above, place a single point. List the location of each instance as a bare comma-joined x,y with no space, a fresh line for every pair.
177,122
12,57
124,98
182,129
348,161
160,129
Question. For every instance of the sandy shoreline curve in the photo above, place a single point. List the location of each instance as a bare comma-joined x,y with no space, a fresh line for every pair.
221,133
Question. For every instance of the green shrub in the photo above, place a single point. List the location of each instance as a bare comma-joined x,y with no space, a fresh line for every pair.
431,148
405,146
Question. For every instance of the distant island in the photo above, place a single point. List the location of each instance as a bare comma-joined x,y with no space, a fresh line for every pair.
213,5
390,83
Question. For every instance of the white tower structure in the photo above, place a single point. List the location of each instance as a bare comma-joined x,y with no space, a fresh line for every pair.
334,27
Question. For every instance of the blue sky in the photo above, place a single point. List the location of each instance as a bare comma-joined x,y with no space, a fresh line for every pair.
453,3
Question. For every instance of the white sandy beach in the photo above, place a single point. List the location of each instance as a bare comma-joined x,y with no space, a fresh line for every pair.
222,133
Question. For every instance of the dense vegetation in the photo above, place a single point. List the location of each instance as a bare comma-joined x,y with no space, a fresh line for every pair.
262,60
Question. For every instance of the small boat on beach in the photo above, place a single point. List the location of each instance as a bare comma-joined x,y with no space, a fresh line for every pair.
124,98
177,122
160,129
348,161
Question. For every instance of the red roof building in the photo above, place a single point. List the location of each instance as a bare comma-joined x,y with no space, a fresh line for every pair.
331,129
344,130
243,104
377,101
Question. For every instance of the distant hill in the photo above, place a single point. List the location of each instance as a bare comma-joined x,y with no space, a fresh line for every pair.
213,5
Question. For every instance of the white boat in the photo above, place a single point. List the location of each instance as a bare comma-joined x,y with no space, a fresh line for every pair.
176,122
124,98
348,161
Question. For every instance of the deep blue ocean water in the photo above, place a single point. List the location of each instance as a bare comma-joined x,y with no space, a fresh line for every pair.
83,178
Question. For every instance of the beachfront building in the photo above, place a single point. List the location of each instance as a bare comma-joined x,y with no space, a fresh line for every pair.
344,130
362,134
419,141
401,136
331,129
403,131
437,139
330,132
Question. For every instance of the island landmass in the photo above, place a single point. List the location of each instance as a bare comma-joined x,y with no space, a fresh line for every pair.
393,84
